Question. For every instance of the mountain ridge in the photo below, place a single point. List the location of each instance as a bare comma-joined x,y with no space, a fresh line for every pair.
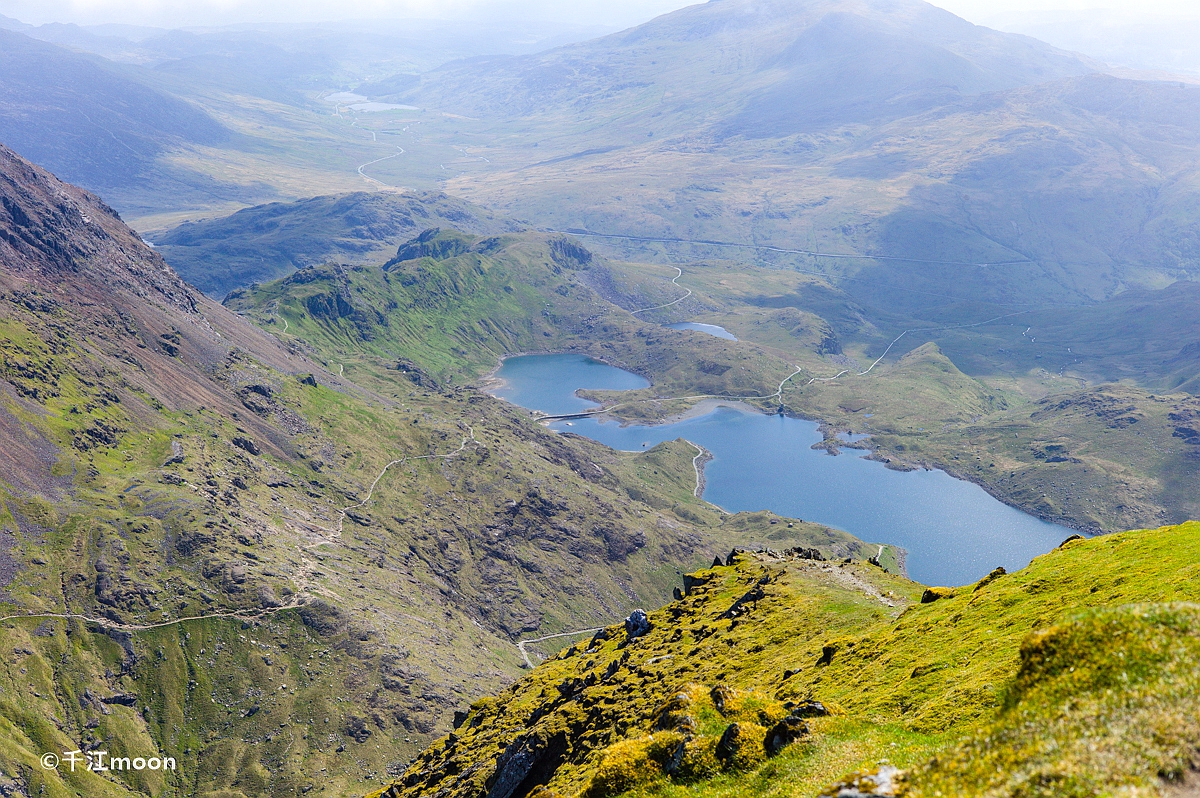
265,242
776,675
539,82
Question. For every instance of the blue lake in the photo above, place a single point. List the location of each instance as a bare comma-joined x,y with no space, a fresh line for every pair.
711,329
954,531
549,382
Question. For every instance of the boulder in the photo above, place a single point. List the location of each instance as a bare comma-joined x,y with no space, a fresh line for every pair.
932,594
176,454
741,746
992,577
809,709
783,733
886,782
720,695
246,444
637,624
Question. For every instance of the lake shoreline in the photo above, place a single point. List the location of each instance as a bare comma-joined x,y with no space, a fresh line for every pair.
952,531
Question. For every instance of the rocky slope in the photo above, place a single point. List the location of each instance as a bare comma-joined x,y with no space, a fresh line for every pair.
266,242
213,549
781,676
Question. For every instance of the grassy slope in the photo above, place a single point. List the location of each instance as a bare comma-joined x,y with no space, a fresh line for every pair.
457,316
1079,663
412,610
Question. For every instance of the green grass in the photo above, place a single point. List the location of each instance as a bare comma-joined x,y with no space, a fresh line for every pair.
1073,674
458,315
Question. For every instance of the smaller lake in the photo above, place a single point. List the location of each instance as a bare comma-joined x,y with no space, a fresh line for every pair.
548,382
357,102
711,329
953,530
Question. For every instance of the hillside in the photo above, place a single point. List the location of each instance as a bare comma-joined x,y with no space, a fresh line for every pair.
797,56
81,117
266,242
453,304
211,548
775,676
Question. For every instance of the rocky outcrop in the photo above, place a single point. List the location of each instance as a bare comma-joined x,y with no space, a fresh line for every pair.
637,624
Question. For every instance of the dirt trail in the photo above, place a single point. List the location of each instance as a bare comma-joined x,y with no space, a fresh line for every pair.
674,281
247,615
336,534
525,654
251,615
848,579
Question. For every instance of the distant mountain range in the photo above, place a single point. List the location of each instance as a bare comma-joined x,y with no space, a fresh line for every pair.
756,69
88,121
843,127
914,158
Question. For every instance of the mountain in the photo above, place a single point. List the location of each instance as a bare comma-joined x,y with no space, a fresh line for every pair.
215,550
773,675
83,118
265,242
891,146
821,63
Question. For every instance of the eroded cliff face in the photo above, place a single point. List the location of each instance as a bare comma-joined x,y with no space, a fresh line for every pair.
60,237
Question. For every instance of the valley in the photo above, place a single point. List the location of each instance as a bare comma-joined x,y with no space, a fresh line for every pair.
1093,457
757,401
262,568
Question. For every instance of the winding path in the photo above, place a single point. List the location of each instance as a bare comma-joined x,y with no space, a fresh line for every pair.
344,512
525,654
916,330
700,452
674,281
370,179
249,615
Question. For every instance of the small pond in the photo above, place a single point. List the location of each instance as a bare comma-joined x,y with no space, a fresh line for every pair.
712,329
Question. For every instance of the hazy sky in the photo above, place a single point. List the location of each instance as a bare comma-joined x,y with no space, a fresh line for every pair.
170,13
